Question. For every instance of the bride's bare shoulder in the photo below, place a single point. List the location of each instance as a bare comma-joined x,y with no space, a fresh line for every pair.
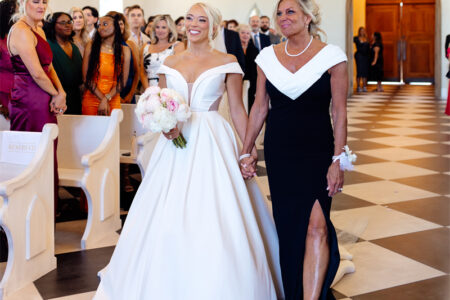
224,58
173,60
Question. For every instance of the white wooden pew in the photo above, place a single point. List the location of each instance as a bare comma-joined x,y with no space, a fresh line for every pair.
27,208
88,158
145,140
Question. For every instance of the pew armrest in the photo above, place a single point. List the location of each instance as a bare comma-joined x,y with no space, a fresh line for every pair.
49,134
89,159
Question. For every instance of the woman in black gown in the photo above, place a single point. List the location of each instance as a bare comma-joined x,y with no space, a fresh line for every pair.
362,56
377,60
301,76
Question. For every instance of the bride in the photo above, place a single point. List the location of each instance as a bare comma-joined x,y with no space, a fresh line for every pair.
196,229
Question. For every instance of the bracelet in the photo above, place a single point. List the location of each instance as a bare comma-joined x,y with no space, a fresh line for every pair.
108,97
244,156
346,158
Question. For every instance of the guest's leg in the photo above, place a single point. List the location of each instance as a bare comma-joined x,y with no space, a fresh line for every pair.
317,254
379,87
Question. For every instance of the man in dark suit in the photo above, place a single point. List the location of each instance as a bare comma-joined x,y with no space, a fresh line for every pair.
260,40
265,29
233,46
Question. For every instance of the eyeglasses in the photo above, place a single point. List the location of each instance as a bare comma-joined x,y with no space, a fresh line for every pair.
64,23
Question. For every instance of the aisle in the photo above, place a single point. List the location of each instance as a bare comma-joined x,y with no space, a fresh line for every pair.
394,209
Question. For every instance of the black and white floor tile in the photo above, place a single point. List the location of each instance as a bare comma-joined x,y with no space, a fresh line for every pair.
396,204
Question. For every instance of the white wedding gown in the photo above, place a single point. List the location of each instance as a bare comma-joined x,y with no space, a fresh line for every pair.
196,230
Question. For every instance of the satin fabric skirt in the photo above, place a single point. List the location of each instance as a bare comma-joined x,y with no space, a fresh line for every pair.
196,229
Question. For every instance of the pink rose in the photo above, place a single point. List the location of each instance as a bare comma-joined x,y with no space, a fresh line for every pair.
172,105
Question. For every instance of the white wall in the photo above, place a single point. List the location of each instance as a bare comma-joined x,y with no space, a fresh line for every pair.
445,7
66,5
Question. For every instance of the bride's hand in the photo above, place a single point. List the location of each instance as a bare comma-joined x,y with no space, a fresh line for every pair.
248,167
173,134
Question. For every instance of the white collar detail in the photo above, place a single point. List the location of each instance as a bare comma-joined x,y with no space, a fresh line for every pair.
295,84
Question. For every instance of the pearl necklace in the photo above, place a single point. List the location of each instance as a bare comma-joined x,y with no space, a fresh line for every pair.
294,55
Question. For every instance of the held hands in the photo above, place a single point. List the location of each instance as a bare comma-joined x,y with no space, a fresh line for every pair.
248,167
103,108
173,134
335,179
58,104
248,164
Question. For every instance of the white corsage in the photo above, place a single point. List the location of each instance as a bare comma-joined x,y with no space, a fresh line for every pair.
346,159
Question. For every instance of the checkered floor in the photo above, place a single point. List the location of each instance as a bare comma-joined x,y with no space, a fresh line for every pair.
393,214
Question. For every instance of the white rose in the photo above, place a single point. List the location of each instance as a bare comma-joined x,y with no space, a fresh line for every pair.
167,120
152,104
183,113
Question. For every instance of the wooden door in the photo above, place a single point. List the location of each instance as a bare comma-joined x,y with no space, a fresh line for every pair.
418,30
410,21
385,18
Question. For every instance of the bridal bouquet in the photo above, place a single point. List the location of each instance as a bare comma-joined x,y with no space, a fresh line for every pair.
159,110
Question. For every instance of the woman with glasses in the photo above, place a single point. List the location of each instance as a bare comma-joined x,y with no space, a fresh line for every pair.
163,44
67,58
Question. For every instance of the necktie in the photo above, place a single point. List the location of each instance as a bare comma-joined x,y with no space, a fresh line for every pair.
257,41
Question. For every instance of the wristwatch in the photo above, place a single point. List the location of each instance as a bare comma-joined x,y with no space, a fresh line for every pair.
108,97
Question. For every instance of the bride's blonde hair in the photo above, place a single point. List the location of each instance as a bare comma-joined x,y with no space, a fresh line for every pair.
214,18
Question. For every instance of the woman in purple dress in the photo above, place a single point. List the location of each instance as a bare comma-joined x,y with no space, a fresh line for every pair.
7,9
37,96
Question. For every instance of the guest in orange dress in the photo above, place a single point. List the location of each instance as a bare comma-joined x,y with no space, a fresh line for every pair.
106,65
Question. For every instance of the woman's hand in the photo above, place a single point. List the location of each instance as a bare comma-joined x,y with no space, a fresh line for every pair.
58,104
335,179
248,166
103,108
173,134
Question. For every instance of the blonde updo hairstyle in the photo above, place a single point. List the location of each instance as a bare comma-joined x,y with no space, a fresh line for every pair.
173,35
22,11
214,18
309,8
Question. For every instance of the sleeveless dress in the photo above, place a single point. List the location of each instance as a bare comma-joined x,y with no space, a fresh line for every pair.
299,134
152,62
29,108
105,81
70,74
377,71
362,58
196,230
